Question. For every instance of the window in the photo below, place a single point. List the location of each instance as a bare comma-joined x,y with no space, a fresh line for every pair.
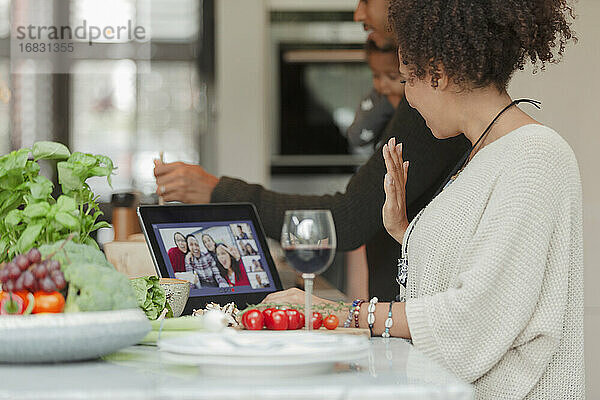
115,102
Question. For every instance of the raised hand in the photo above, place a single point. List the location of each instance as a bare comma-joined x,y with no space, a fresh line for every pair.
394,208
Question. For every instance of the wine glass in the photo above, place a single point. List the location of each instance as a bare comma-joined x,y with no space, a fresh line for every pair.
308,240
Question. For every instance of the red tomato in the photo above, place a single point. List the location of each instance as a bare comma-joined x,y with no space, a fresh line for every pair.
302,319
253,320
268,320
293,319
331,322
52,302
279,320
317,320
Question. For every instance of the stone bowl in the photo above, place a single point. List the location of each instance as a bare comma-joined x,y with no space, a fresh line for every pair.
177,292
43,338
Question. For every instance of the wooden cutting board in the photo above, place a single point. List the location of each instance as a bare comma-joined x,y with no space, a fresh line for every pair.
347,331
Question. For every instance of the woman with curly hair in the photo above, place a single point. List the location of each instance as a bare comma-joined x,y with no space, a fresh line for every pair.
491,271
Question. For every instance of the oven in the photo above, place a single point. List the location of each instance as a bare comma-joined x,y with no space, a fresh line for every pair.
319,77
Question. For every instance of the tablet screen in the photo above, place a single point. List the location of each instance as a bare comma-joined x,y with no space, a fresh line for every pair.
216,257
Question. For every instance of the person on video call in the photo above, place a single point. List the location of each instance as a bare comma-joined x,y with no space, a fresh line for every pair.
231,270
249,250
210,244
203,265
177,254
235,253
357,211
260,283
241,234
257,266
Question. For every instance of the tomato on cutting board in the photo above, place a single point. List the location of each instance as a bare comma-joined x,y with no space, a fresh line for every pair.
331,322
293,319
268,320
317,320
253,320
279,320
302,319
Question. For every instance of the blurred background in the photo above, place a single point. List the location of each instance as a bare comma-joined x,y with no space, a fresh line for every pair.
269,84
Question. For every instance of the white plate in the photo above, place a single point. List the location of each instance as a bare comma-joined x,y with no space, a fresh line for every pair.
70,336
265,352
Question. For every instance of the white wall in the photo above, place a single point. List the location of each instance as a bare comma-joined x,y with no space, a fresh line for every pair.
241,142
569,92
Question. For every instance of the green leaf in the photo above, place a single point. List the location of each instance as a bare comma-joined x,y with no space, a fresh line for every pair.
105,161
13,218
4,246
91,242
40,188
14,201
100,171
85,159
37,210
11,179
100,224
66,204
67,220
31,168
28,237
69,177
16,160
50,151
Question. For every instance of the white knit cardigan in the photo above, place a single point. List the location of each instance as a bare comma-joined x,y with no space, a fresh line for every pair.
495,284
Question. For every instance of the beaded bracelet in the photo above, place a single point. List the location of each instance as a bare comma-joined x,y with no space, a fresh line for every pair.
357,313
371,316
389,322
351,313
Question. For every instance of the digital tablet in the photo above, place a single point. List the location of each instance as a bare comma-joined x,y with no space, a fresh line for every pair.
220,248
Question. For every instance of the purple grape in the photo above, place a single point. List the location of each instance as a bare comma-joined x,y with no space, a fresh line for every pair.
34,256
13,271
28,280
47,285
40,271
3,275
19,283
53,265
22,262
59,279
9,286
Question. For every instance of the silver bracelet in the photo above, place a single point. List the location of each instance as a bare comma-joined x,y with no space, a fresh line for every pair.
371,315
389,322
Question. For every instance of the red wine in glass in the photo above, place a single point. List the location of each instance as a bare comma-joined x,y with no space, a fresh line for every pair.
309,241
310,259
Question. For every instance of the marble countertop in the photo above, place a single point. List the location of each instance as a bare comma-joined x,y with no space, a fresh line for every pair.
393,370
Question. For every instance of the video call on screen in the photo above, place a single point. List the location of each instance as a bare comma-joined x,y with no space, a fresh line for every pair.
216,257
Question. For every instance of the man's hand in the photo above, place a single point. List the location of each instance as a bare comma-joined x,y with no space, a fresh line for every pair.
394,208
183,182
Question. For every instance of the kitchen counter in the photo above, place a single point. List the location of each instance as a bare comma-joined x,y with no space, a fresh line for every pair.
393,370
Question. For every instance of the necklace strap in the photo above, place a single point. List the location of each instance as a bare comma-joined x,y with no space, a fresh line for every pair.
465,158
403,261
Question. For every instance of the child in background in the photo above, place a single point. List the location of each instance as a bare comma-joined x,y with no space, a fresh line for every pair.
377,108
372,116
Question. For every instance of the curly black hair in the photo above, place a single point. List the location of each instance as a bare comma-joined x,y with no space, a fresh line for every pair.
480,42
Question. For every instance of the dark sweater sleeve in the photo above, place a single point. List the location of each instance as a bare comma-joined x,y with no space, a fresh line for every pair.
357,211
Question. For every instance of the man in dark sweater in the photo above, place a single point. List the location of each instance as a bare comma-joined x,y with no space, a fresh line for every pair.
357,211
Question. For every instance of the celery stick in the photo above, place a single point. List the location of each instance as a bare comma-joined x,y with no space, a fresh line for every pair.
185,323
